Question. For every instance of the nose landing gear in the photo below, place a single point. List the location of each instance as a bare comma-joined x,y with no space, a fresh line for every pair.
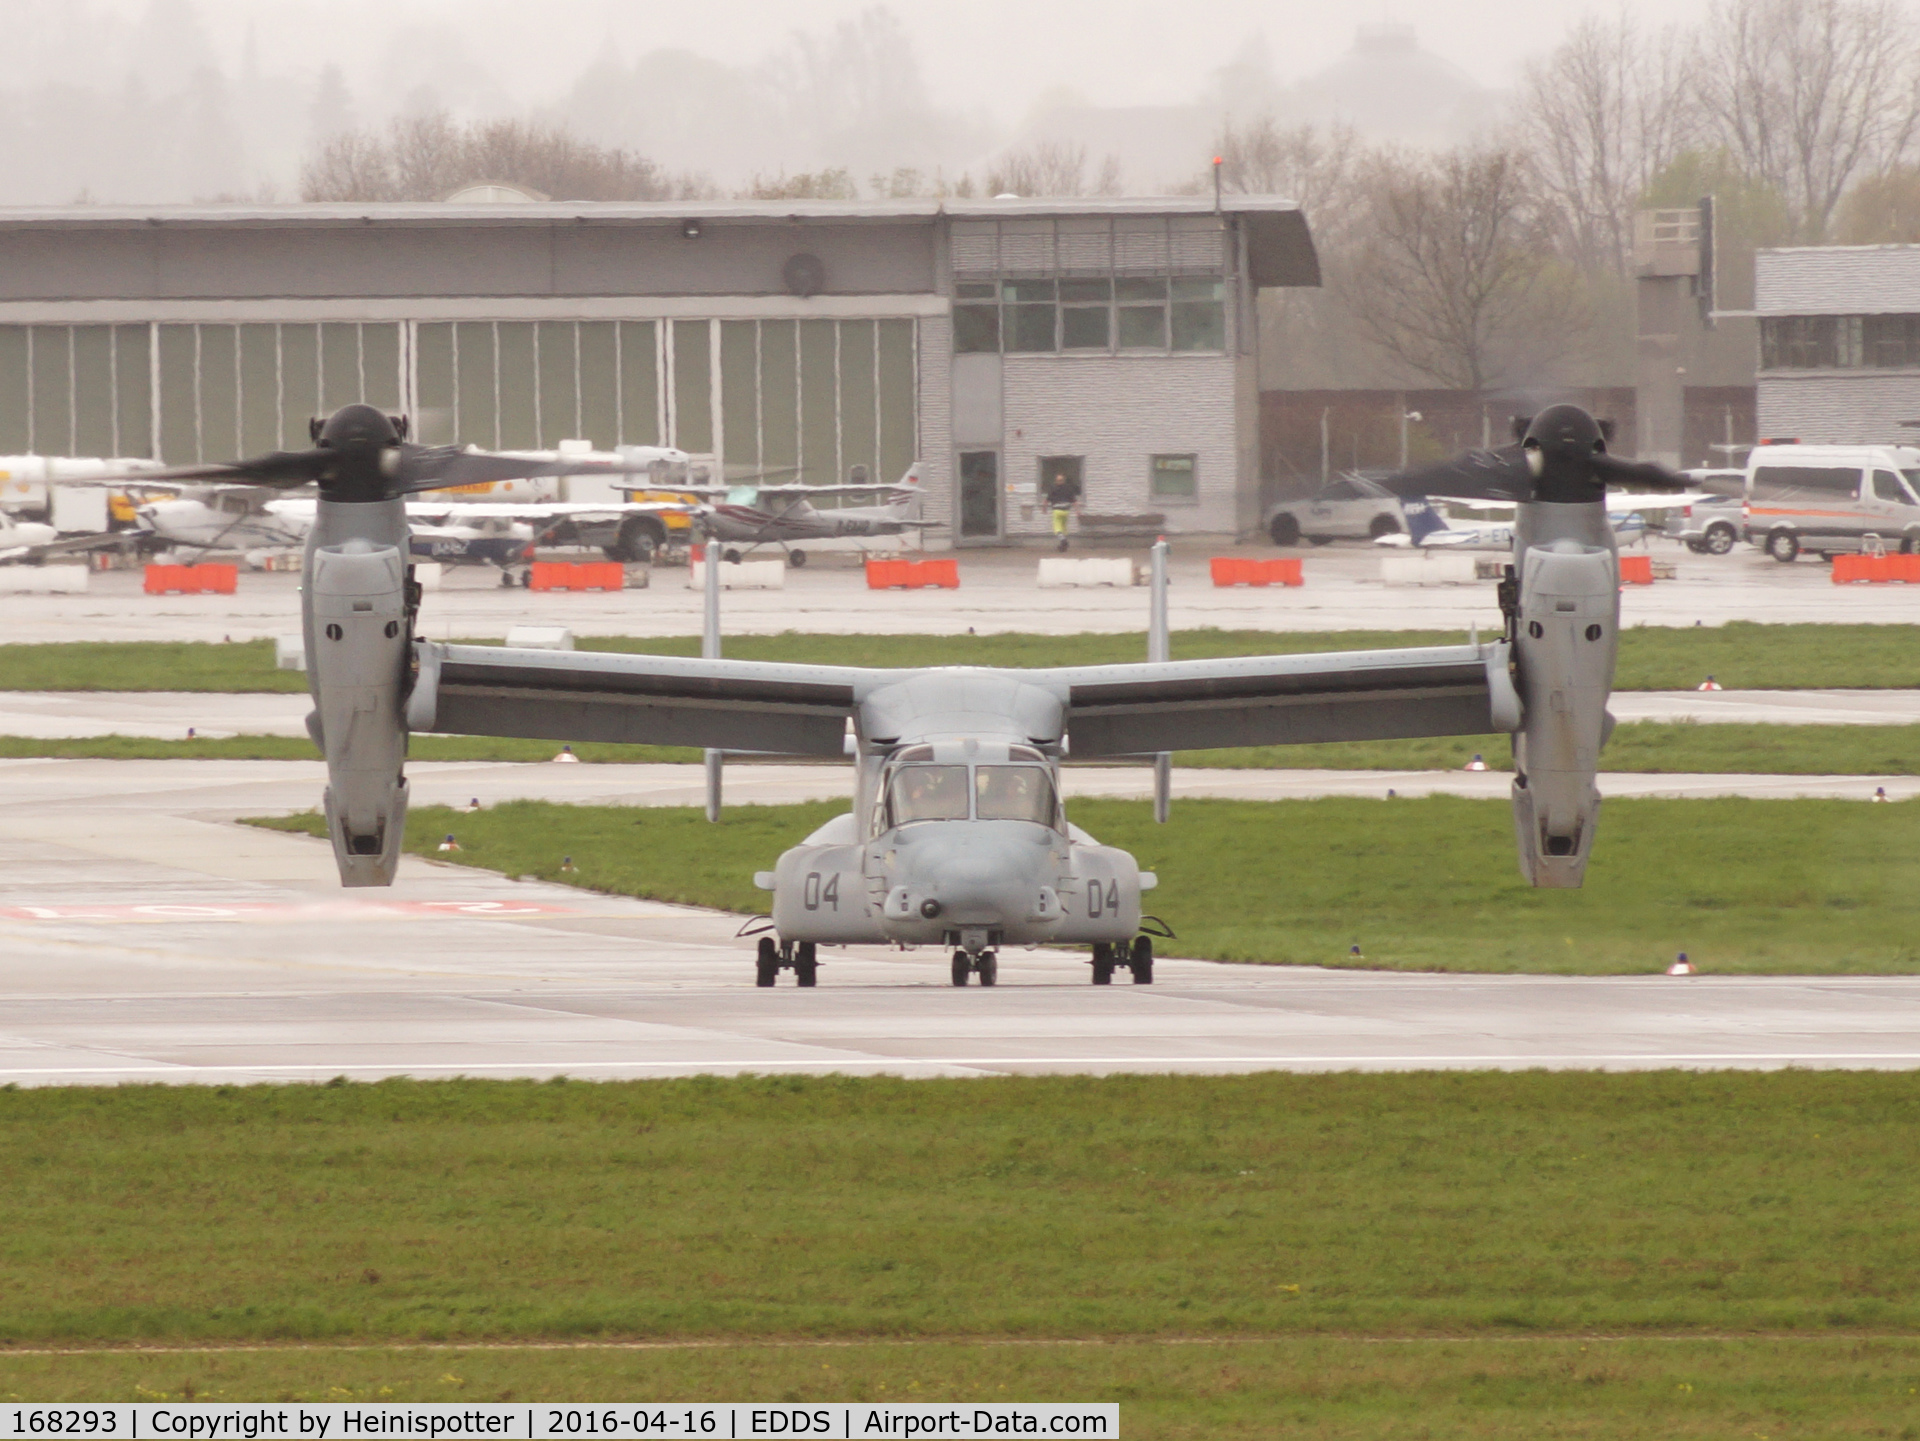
1109,956
986,966
774,958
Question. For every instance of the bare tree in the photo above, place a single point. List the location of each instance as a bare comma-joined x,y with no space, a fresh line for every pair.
812,185
1883,209
1811,95
424,157
1603,114
1317,168
1050,167
1456,277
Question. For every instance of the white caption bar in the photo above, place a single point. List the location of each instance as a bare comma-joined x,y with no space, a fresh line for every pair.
631,1421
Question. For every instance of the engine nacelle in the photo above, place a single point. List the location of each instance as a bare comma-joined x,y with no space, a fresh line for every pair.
356,620
820,895
1564,649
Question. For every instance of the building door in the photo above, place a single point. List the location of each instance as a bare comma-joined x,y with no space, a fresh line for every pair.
979,495
1063,472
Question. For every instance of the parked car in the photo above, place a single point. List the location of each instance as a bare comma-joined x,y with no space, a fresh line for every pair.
1352,506
1712,526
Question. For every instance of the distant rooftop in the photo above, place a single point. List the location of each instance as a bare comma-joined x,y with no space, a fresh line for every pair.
1838,280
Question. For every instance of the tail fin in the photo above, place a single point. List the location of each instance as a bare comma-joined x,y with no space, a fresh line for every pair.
907,506
1423,519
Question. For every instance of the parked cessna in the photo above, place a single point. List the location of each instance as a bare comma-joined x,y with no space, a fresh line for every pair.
957,837
744,516
1428,529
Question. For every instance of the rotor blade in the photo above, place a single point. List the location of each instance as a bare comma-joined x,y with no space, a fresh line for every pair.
281,469
1615,471
1478,475
420,468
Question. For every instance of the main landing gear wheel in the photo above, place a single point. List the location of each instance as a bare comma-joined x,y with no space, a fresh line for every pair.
767,962
806,968
1141,961
989,968
1102,964
796,558
962,968
731,557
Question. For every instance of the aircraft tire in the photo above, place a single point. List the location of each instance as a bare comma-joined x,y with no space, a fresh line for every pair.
962,967
806,966
731,557
767,962
796,558
639,538
1102,964
1141,962
1284,530
989,969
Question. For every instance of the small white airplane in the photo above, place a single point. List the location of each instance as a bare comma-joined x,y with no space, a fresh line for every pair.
744,515
1428,529
256,519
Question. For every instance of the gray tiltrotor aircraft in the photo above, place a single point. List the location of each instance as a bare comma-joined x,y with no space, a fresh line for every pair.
957,837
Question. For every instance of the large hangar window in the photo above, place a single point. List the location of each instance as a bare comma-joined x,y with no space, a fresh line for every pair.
1091,285
818,399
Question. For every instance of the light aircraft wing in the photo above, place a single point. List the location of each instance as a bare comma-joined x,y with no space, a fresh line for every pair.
636,699
1617,502
538,510
1286,699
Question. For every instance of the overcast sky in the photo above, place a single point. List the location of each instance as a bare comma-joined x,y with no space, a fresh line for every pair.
997,55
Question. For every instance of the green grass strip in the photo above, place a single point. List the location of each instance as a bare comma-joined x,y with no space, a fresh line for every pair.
1740,655
1649,747
1464,1204
1467,1388
1808,887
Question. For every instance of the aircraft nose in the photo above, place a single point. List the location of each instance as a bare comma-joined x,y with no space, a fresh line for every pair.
983,881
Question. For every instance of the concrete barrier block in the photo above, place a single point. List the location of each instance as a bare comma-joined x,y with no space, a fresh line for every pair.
43,579
289,652
1429,568
1067,570
741,575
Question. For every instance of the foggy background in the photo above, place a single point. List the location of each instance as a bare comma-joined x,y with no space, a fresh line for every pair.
158,101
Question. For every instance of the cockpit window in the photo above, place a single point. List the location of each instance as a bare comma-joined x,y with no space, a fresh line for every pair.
929,793
1013,793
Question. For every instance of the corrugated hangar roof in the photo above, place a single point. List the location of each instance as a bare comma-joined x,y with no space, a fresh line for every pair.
1280,244
1838,280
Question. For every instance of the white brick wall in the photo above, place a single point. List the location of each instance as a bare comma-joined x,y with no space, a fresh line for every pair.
1838,408
1118,412
935,339
1838,280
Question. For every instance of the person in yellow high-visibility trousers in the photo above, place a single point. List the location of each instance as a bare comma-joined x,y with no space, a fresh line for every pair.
1061,495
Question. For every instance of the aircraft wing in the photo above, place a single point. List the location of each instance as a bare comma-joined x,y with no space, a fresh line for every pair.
635,699
66,545
538,510
1287,699
1619,502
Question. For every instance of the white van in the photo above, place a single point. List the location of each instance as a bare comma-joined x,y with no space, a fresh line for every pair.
1826,498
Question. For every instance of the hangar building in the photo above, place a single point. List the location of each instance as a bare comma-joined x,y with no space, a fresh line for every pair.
1839,343
1000,343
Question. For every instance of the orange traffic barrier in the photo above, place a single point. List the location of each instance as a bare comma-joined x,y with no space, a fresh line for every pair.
564,575
191,579
1232,570
1636,570
1850,569
913,574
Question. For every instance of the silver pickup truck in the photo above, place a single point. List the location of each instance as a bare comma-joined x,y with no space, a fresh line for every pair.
1713,526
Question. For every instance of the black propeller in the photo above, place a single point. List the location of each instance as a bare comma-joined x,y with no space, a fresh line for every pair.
1560,457
361,454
